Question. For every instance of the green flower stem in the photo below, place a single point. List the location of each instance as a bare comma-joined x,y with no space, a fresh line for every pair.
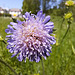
43,66
3,62
66,32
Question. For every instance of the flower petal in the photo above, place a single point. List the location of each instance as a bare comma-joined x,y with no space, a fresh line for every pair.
47,19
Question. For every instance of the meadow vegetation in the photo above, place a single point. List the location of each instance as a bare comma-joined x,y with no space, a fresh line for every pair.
60,62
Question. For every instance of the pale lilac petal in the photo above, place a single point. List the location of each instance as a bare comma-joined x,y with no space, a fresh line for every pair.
47,19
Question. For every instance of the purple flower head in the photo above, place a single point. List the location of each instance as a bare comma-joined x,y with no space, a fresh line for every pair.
31,38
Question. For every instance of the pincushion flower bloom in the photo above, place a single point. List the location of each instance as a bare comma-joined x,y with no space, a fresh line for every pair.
31,38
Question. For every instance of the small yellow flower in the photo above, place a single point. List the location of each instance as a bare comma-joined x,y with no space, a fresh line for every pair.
14,15
68,16
69,3
1,38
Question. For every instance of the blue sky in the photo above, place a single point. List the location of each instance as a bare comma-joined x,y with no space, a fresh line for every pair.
12,3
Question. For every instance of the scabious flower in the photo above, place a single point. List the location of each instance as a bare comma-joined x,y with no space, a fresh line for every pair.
69,3
31,38
69,17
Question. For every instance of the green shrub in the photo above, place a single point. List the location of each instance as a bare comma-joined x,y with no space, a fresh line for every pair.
5,14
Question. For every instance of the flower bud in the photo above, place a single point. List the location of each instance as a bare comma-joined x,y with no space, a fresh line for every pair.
68,16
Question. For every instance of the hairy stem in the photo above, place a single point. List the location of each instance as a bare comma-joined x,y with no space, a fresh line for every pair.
65,33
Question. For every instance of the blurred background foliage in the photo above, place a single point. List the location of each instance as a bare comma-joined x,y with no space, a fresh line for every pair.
62,59
47,6
31,5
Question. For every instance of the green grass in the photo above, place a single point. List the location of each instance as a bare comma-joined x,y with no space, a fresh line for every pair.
61,61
